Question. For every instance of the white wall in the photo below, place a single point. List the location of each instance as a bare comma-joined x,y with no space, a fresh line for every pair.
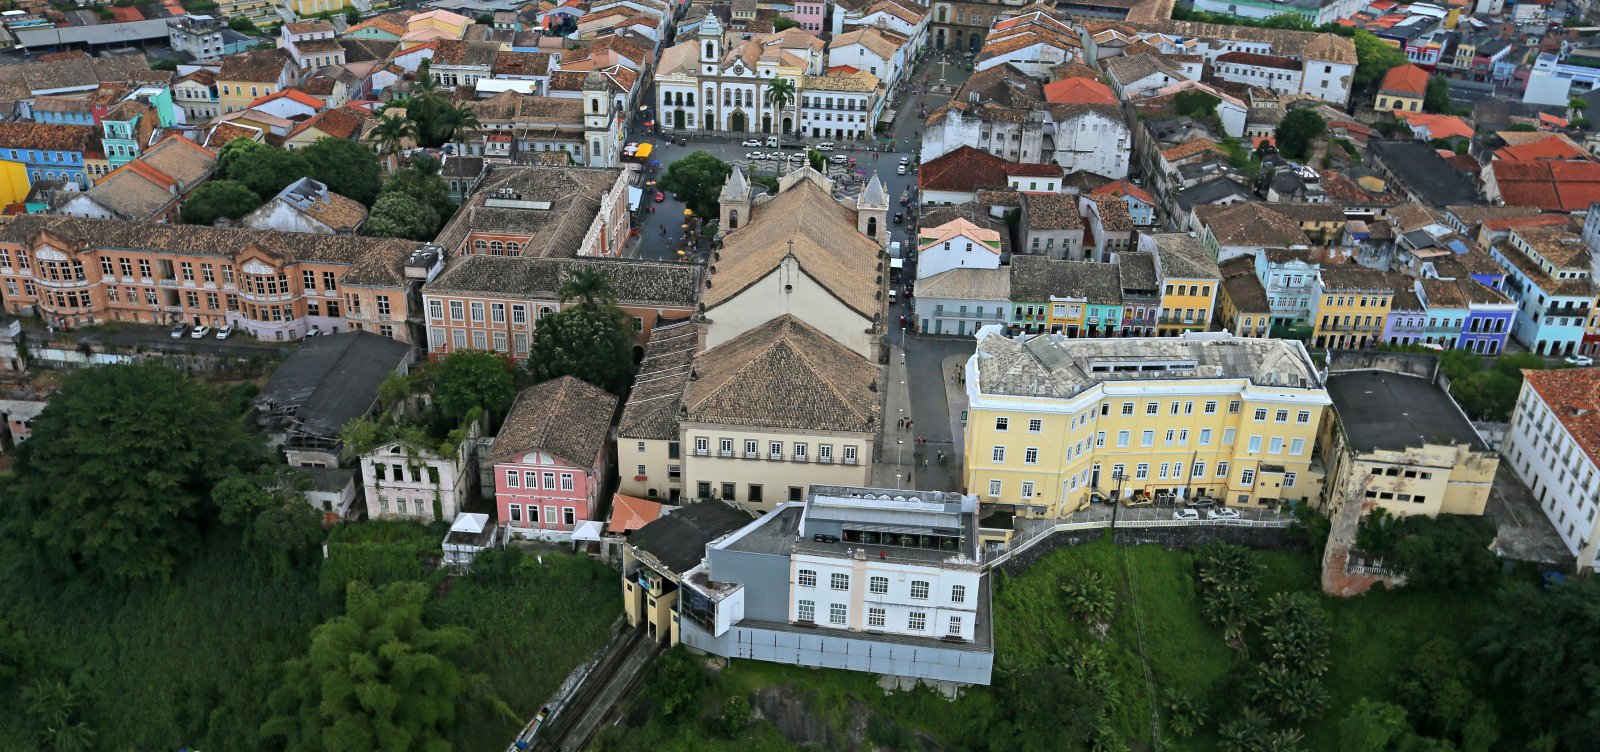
810,302
897,603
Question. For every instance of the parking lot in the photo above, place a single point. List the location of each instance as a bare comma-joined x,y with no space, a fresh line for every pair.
1163,513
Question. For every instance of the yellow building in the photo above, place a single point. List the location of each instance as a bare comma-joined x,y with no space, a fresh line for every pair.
1349,305
304,8
658,555
248,76
1403,89
1053,420
1242,307
1189,282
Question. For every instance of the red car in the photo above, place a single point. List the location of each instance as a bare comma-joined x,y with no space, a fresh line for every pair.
660,197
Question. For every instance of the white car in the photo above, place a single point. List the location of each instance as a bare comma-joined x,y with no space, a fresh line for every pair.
901,170
1187,515
1580,360
225,332
905,160
1220,514
824,147
177,331
751,142
839,159
200,332
772,141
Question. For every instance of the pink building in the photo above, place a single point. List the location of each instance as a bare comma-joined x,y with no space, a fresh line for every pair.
808,14
550,457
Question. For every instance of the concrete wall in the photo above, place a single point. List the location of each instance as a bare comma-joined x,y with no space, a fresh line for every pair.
841,650
1170,538
1413,364
765,577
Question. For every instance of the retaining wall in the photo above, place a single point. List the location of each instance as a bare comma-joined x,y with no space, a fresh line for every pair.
1170,538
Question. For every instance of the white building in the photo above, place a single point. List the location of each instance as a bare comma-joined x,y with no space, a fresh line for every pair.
957,244
1273,72
710,84
962,301
405,480
882,53
866,579
311,45
840,106
1551,447
1327,61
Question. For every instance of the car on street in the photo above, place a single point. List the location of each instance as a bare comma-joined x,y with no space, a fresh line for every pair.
899,217
177,331
660,197
225,332
1139,501
901,170
1187,515
840,159
1202,502
825,146
772,141
200,332
905,160
313,332
751,142
1222,514
1580,360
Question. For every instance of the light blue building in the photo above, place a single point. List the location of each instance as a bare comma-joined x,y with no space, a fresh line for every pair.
48,151
1548,277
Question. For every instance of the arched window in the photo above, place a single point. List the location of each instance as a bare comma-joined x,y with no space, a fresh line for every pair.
733,220
513,248
594,105
711,50
479,246
872,227
496,248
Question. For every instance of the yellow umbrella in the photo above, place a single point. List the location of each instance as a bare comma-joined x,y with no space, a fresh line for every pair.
688,212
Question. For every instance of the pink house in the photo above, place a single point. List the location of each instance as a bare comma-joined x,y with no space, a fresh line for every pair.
807,13
550,457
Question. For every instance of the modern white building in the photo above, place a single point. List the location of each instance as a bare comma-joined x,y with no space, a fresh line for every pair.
867,579
1552,447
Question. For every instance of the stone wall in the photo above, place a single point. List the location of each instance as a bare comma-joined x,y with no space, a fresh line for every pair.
1171,538
1412,364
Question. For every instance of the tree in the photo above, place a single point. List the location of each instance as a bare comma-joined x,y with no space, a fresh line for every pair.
1045,709
817,161
1186,711
590,286
374,678
1374,58
1522,128
782,23
352,16
697,181
1450,551
1089,596
456,123
116,479
674,681
346,167
484,19
780,94
1437,97
420,180
263,169
1371,726
392,133
243,25
216,199
53,707
16,656
397,215
279,529
1298,130
1576,106
468,379
1196,104
1542,648
593,345
1247,733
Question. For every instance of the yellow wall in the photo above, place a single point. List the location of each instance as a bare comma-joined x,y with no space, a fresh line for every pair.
1369,307
1066,313
1387,103
1179,295
656,459
1450,479
1053,473
233,96
13,182
304,8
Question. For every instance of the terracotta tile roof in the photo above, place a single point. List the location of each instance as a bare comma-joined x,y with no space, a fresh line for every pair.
203,77
874,40
1260,61
859,82
521,63
1038,278
1439,126
1405,80
46,136
309,27
1322,47
574,195
458,52
634,282
821,235
344,122
255,66
963,170
1051,211
340,213
293,94
222,133
1550,186
389,23
629,513
134,192
652,408
185,161
1184,257
1552,146
1356,277
785,375
566,418
967,284
1124,188
1250,223
987,238
1190,148
1031,170
1114,214
1573,396
1244,289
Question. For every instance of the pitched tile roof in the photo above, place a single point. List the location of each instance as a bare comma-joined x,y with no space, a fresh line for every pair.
1114,214
1258,60
967,283
651,411
629,513
989,239
344,122
1573,395
1551,146
1356,277
803,221
1250,223
963,170
186,161
873,39
1038,278
508,63
1124,188
566,418
1244,290
634,281
1184,257
1051,211
1439,126
785,375
46,136
1550,186
573,193
257,66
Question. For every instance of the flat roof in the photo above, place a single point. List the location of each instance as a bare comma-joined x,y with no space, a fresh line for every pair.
1388,410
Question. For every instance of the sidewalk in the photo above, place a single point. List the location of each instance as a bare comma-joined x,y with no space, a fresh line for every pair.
895,467
956,394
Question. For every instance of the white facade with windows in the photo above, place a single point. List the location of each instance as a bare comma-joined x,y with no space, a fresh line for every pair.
706,84
402,481
1555,464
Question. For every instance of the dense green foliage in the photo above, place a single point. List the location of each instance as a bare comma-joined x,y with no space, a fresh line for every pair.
1196,104
116,481
697,180
468,380
279,530
216,199
348,168
1448,551
1437,97
413,204
375,678
591,340
1298,131
1543,648
263,169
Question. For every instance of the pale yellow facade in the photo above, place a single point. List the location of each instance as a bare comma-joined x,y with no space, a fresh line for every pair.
648,598
650,469
758,469
1430,479
1242,442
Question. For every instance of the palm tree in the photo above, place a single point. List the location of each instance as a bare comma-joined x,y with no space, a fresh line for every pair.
1575,108
591,286
391,134
456,122
780,94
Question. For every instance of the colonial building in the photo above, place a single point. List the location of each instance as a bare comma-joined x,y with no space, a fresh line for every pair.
551,458
719,83
540,211
1552,447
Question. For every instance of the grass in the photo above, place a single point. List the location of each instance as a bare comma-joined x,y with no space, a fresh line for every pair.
191,662
1372,637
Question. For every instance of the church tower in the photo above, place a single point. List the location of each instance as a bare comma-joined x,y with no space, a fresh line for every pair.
710,44
872,211
597,119
735,201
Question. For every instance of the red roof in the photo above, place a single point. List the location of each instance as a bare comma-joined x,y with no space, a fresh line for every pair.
1079,90
1552,147
1548,119
126,15
1123,188
1406,79
1548,186
630,513
964,170
297,95
1532,220
1034,170
843,70
1439,126
1573,397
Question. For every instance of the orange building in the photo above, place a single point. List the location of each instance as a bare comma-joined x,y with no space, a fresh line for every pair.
74,272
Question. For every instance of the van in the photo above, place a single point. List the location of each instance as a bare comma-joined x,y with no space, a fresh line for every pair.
894,249
825,146
894,295
772,142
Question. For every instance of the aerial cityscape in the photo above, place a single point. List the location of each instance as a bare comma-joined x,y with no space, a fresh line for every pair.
1116,375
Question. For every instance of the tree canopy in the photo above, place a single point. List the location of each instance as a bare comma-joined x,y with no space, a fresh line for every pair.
1374,58
1450,551
116,479
216,199
421,218
398,215
697,181
1196,104
263,169
591,344
1543,649
1437,97
279,529
468,379
346,167
1298,131
375,678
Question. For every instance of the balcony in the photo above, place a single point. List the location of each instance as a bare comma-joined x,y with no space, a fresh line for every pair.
725,454
849,460
702,452
752,455
801,458
775,457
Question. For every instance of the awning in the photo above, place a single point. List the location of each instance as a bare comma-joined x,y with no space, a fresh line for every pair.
644,151
587,531
897,263
635,195
887,116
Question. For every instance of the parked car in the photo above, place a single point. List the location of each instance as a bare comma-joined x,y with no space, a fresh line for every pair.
839,159
1222,514
660,197
899,217
177,331
751,142
772,141
825,146
1202,502
200,332
1580,360
313,332
905,160
901,170
1139,501
1186,515
225,332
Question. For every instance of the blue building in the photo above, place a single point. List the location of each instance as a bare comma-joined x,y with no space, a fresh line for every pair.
48,151
1548,277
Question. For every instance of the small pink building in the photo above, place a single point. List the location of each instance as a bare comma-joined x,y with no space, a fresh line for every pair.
808,13
550,457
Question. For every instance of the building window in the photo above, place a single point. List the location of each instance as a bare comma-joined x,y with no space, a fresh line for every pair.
1247,477
958,594
839,581
917,621
875,617
806,611
955,626
1303,418
836,613
1002,424
878,585
997,454
994,487
1030,456
919,589
1027,489
807,578
1261,415
512,478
